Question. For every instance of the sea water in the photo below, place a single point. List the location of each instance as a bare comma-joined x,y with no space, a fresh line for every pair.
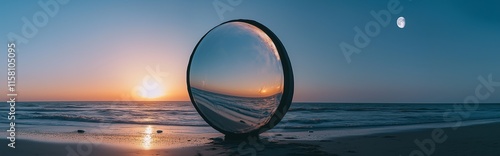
301,116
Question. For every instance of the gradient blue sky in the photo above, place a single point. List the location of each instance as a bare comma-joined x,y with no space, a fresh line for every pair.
98,50
237,59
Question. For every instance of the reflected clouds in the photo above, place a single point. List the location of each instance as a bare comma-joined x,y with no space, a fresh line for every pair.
238,59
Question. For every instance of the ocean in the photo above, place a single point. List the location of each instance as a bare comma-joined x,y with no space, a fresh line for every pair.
301,116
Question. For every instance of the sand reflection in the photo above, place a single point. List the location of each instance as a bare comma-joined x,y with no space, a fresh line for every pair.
147,138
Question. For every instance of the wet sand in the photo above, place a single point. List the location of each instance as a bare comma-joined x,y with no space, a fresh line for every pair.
483,139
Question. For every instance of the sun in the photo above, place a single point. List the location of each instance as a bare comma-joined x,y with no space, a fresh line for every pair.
152,92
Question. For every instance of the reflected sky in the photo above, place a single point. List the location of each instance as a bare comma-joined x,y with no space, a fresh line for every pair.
237,59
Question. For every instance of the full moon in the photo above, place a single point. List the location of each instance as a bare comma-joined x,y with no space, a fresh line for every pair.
401,22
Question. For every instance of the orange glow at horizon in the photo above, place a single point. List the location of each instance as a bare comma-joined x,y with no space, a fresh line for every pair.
111,72
114,85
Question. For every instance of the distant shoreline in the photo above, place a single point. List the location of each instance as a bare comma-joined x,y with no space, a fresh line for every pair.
293,102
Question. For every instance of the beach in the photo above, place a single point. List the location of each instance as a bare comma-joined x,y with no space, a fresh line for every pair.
175,128
473,139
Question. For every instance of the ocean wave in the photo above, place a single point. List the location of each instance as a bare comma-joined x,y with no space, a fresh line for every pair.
308,121
68,118
309,109
80,118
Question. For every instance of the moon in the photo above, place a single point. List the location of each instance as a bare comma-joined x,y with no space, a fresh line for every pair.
401,22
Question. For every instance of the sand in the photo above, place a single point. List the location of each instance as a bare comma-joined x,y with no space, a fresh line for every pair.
483,139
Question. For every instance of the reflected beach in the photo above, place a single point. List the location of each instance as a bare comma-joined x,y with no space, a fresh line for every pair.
233,113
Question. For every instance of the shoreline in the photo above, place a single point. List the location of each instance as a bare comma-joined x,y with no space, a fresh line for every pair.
470,139
136,129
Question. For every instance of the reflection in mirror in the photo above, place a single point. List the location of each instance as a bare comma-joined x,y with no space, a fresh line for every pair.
236,77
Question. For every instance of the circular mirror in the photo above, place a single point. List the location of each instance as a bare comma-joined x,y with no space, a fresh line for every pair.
239,78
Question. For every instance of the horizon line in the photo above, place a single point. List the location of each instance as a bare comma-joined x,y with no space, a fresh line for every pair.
318,102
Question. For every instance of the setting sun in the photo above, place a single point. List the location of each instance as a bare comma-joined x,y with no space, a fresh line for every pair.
151,90
153,93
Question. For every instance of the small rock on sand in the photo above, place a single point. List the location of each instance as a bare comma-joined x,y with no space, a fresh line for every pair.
80,131
159,131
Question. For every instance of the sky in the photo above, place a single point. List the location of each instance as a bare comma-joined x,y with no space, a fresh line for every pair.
237,59
114,50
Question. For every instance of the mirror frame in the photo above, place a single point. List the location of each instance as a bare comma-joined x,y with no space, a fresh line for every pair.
288,84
